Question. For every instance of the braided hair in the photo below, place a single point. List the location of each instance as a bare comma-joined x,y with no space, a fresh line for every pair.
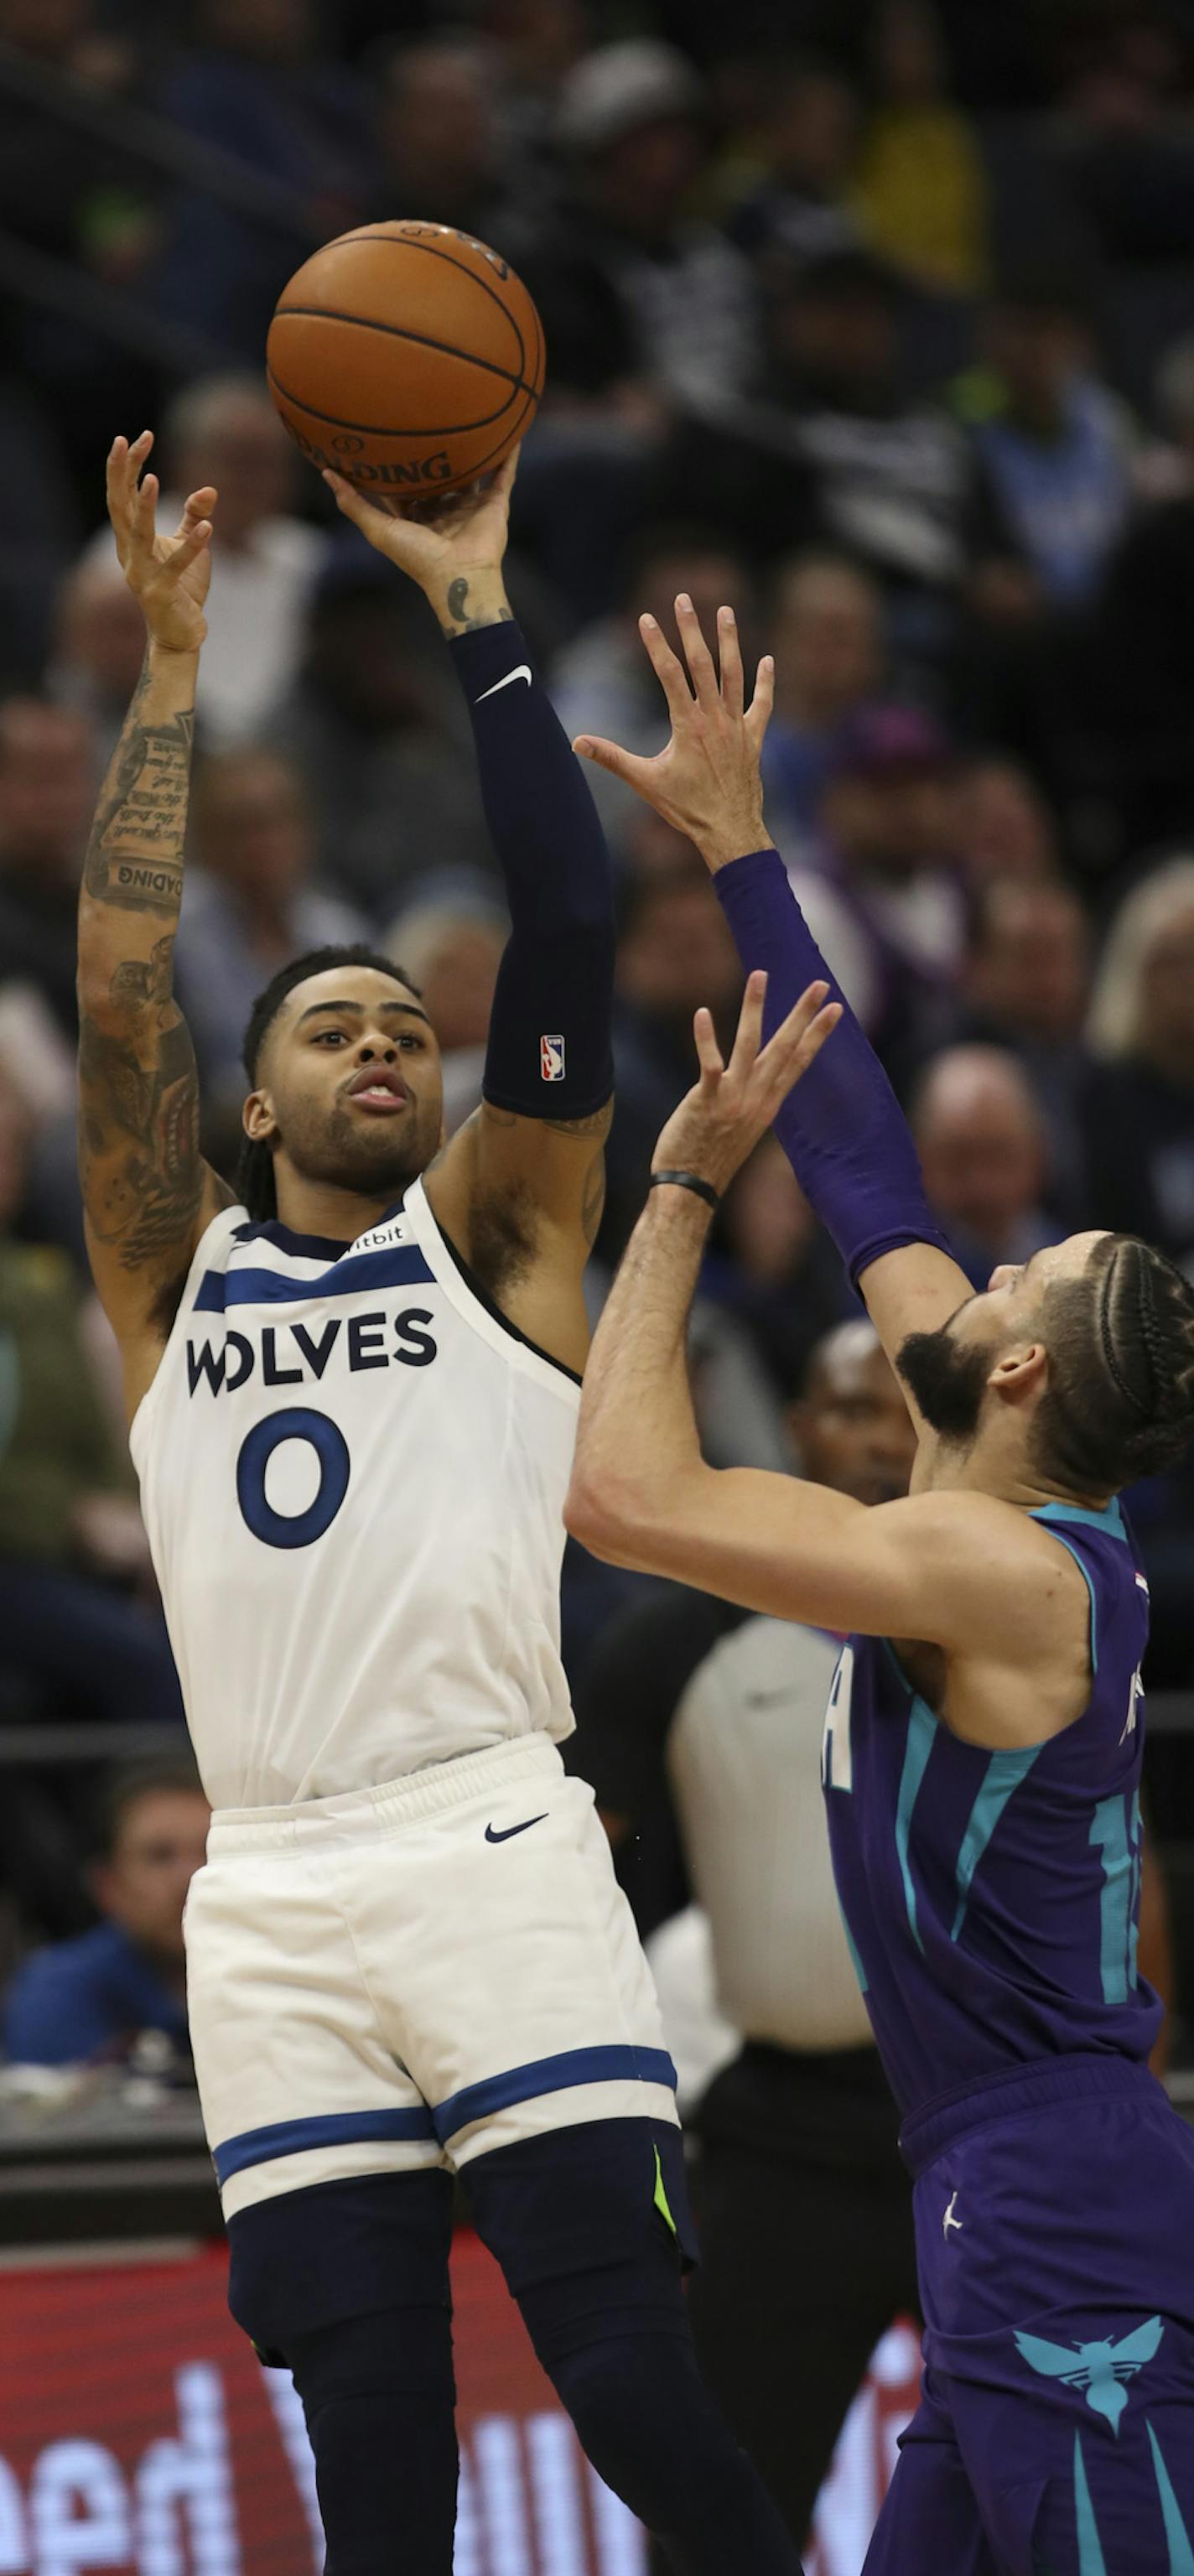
255,1185
1120,1396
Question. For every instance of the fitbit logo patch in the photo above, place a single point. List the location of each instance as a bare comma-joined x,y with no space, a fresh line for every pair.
551,1059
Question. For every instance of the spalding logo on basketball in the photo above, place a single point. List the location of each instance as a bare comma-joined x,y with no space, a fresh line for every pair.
408,357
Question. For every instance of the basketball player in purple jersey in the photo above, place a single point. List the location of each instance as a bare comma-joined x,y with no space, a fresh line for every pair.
983,1739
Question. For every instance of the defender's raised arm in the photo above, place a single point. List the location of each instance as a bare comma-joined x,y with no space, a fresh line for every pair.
842,1128
147,1193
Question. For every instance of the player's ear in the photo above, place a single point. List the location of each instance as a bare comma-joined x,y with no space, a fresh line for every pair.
257,1118
1018,1372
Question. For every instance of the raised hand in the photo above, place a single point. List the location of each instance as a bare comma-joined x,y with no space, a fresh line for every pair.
453,549
706,783
719,1122
168,575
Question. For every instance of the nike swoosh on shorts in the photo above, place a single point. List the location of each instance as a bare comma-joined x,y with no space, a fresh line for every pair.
502,1835
523,672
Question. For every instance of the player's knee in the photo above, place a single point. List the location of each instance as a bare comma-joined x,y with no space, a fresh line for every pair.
400,2355
378,2396
621,2393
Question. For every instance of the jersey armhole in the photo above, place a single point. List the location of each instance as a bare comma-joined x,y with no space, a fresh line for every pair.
474,1302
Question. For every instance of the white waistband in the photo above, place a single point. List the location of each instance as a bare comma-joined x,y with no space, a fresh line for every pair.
359,1812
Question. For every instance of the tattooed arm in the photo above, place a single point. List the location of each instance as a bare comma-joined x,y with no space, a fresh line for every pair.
147,1194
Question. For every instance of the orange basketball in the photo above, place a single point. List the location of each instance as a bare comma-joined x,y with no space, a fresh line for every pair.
407,356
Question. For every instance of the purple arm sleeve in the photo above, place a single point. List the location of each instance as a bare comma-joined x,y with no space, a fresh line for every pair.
550,1044
842,1128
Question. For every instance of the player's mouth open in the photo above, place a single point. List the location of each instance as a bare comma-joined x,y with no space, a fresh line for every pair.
377,1089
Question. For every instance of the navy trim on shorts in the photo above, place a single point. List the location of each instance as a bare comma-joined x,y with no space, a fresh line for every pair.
329,2129
552,2075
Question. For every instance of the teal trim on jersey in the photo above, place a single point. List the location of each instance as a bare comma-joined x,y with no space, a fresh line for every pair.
922,1730
1091,2561
1181,2554
852,1947
1111,1520
1109,1835
1001,1779
1083,1569
1136,1837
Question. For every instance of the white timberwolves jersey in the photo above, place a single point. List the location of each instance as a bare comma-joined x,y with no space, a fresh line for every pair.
353,1476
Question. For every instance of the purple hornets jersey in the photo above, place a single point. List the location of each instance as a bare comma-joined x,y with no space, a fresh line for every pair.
992,1898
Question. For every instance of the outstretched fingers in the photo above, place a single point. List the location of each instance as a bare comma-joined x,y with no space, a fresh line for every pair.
749,1031
125,460
142,521
729,654
627,765
696,652
798,1040
668,669
708,1051
758,713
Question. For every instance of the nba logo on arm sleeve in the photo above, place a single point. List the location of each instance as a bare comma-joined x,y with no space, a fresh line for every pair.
551,1059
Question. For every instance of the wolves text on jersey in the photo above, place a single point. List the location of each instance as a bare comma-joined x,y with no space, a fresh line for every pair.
297,1354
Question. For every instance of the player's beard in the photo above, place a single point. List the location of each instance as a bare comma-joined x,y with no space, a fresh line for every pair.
364,1155
946,1380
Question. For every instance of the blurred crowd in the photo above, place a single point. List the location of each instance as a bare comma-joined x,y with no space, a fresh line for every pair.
877,320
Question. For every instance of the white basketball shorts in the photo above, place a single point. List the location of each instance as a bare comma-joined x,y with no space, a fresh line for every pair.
415,1974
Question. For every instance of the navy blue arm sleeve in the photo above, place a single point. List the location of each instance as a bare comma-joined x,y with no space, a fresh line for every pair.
549,1053
842,1127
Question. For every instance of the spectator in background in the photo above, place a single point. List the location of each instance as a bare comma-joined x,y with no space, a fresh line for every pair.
1026,982
1053,448
602,681
99,647
224,430
87,2000
645,308
637,300
674,953
826,635
72,1544
1124,140
39,524
451,949
795,164
1145,693
984,1155
826,447
438,134
885,891
47,796
250,903
394,804
1002,825
920,193
1140,1106
803,2205
257,86
539,42
773,1268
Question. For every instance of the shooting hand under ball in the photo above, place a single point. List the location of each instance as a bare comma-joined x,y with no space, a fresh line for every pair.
453,549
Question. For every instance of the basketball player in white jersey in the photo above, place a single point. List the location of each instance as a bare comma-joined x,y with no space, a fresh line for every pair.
353,1396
